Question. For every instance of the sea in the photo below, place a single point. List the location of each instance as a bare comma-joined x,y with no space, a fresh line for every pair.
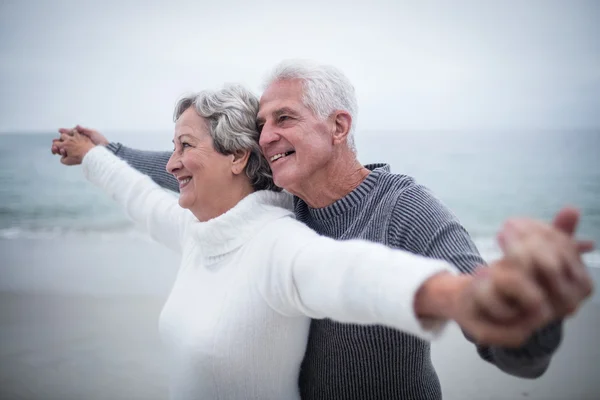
81,287
484,177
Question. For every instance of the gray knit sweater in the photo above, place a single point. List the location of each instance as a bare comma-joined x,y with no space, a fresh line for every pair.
346,361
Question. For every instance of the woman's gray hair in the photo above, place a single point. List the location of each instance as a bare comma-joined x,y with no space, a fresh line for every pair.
325,89
231,116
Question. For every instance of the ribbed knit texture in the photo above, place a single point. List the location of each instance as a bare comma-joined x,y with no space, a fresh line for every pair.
348,361
345,361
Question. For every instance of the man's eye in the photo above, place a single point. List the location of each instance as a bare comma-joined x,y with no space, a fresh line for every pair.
283,118
184,144
259,127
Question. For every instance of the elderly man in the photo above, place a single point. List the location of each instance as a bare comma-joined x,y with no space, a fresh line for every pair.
307,120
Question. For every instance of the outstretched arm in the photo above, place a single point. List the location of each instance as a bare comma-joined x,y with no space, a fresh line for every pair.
349,281
144,202
435,232
151,163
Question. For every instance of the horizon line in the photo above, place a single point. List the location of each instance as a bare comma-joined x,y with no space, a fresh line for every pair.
398,129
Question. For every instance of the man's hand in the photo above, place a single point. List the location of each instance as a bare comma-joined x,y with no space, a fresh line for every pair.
552,257
541,279
73,147
96,137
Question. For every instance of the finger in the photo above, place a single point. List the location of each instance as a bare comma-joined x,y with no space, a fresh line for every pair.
521,291
495,306
83,130
585,246
555,236
65,136
490,302
67,160
489,333
515,230
566,220
561,273
63,152
64,130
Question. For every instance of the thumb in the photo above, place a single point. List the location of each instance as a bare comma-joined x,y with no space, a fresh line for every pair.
83,130
566,220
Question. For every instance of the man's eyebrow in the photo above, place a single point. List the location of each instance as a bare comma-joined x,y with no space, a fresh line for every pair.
277,113
284,110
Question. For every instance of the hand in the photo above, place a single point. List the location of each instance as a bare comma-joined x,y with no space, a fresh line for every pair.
73,147
540,280
500,306
556,262
96,137
471,300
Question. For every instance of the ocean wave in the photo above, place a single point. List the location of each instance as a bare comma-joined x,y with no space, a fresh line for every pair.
109,233
487,246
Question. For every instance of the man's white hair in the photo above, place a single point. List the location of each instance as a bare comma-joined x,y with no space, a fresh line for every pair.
325,89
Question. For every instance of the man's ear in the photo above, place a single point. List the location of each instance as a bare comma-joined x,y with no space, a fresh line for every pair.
342,122
239,159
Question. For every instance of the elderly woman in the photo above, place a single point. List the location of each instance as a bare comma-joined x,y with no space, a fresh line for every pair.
251,276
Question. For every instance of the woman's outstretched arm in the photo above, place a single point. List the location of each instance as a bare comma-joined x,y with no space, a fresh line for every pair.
147,204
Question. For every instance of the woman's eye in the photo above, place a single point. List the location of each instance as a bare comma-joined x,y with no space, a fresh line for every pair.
185,144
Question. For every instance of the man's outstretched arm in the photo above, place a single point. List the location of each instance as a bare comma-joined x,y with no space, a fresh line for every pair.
435,232
151,163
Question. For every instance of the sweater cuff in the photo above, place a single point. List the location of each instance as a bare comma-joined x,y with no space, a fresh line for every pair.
114,147
542,343
425,328
93,158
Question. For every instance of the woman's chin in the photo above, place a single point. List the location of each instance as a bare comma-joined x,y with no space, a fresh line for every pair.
184,202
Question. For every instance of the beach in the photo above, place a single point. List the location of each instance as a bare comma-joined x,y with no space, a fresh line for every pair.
94,334
81,288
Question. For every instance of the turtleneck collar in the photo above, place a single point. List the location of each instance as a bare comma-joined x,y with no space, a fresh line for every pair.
232,229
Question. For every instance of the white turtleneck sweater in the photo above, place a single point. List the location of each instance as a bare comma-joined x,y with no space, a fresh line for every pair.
236,321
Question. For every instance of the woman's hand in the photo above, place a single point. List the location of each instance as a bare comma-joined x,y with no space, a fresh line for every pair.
73,147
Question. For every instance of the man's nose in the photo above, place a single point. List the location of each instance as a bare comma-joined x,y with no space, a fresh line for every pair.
268,135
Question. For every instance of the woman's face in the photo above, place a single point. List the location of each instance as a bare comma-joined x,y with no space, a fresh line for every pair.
203,173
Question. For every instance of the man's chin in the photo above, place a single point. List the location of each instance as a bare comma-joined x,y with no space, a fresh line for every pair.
285,181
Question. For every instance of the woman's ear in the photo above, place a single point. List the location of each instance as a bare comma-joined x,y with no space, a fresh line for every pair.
239,159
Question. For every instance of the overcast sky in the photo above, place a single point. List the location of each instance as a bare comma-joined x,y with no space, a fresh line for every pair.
121,65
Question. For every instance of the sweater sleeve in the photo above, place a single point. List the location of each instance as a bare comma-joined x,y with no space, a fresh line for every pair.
352,281
436,232
144,202
151,163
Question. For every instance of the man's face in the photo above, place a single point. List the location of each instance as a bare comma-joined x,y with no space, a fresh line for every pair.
293,139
